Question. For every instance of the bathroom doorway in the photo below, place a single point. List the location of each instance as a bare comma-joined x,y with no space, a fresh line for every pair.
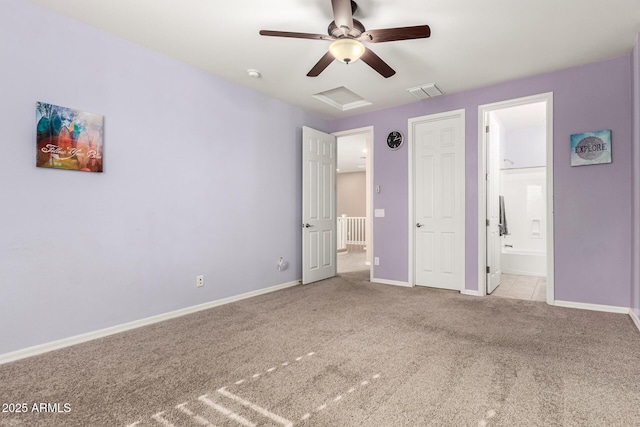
516,251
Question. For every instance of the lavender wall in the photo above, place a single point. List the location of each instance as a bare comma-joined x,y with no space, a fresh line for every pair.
194,167
635,83
592,204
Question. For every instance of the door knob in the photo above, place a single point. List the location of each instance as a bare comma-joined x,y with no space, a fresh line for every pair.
307,225
419,225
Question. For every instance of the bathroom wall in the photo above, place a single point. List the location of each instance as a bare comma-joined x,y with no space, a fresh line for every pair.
525,147
523,185
524,192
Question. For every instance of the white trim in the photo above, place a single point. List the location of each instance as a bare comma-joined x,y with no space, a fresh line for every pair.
482,202
353,131
78,339
470,292
635,318
517,272
482,194
342,107
391,282
592,307
461,113
368,130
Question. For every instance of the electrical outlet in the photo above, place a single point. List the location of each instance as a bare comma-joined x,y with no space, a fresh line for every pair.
199,281
376,261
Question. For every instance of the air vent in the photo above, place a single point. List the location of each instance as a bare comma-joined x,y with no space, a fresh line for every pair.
342,98
418,92
425,91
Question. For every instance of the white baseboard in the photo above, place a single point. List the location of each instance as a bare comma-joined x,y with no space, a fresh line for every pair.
593,307
635,318
67,342
391,282
516,272
469,292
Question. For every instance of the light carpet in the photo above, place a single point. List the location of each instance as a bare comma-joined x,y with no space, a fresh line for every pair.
344,352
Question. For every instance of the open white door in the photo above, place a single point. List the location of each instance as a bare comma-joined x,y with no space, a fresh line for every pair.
319,152
494,271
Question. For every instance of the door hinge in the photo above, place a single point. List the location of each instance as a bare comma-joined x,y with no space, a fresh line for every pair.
486,128
488,269
488,223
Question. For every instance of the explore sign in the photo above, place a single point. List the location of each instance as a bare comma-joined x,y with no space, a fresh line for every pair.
591,148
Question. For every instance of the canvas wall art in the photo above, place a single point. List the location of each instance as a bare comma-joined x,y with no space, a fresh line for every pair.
68,139
591,148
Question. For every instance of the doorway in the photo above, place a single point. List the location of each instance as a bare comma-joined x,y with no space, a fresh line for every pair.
515,199
353,182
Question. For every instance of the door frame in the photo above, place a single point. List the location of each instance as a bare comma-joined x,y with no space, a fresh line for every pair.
368,130
483,110
411,177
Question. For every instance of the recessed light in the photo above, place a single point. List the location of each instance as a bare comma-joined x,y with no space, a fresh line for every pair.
253,73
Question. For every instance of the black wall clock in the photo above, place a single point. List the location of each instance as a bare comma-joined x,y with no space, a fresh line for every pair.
395,140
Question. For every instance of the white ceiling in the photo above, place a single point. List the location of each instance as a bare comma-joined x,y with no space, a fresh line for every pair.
473,43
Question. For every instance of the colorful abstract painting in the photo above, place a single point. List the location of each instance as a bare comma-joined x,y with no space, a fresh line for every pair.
68,139
591,148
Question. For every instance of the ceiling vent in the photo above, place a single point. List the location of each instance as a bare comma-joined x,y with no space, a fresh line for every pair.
342,99
425,91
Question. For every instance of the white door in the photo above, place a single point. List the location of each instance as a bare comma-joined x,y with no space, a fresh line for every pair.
438,159
494,270
318,205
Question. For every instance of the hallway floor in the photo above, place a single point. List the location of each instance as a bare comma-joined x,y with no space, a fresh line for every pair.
530,288
353,260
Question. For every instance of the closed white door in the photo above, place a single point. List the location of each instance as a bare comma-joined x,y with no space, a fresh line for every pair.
318,205
494,250
438,163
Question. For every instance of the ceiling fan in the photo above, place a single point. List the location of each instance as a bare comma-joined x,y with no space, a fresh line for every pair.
347,35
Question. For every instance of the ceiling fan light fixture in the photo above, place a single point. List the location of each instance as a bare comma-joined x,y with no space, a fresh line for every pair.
346,50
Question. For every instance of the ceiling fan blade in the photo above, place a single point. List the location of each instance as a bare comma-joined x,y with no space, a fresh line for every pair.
342,14
394,34
321,65
295,35
377,64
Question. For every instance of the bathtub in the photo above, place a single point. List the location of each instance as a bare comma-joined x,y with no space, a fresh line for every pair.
522,262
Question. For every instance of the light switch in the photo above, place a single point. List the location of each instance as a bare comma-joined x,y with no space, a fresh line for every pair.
379,213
